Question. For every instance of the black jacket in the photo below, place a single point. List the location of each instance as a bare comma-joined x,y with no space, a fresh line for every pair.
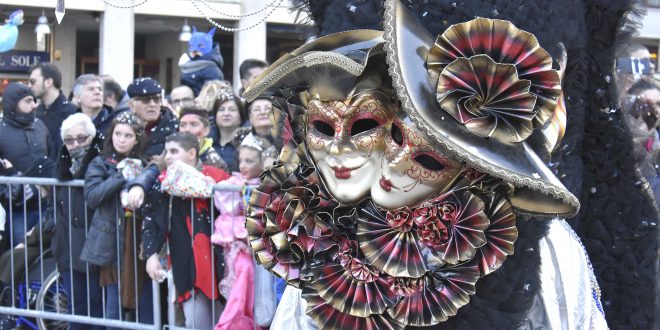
73,217
166,125
103,121
229,152
102,186
24,146
53,117
17,193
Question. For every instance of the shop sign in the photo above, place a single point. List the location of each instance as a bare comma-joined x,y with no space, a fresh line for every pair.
21,60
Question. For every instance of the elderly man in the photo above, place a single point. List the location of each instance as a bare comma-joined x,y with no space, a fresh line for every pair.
88,93
146,103
46,83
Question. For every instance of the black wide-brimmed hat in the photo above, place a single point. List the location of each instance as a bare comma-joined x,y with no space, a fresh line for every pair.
478,93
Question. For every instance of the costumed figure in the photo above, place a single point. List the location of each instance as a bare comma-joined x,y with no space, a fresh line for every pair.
203,62
9,31
237,285
415,190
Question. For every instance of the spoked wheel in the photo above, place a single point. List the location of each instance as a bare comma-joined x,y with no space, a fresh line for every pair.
52,298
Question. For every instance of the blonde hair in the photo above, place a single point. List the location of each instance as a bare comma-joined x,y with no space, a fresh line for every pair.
211,91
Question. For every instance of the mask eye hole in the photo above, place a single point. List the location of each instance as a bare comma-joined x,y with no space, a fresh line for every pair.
397,135
363,125
323,128
429,162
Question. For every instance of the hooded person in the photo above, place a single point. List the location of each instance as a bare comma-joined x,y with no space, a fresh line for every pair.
24,150
203,62
24,141
477,106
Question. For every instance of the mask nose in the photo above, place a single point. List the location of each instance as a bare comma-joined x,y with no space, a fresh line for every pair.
339,147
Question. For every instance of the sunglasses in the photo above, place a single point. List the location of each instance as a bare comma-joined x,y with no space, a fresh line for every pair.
80,139
147,99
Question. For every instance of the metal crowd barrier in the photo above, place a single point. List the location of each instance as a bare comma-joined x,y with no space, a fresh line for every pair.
33,292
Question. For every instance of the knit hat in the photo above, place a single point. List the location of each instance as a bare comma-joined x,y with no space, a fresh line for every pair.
14,92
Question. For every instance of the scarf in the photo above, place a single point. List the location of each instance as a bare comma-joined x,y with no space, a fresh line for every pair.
77,155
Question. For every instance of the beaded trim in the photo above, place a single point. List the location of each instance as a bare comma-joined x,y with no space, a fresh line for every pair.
595,289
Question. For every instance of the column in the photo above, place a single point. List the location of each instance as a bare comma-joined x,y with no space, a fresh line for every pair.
117,43
252,42
64,37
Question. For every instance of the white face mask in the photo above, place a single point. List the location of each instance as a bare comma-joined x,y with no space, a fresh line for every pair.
345,139
412,170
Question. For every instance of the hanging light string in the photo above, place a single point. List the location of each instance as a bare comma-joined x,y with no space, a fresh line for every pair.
228,29
107,2
272,3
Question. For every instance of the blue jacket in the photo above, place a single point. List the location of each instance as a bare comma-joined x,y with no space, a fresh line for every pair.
197,71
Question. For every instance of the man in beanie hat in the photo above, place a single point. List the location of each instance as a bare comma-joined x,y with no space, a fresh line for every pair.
24,151
146,103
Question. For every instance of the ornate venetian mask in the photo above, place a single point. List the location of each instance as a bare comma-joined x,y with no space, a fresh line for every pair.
411,170
346,140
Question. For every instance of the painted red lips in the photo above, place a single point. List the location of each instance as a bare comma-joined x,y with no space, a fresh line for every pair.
385,184
342,173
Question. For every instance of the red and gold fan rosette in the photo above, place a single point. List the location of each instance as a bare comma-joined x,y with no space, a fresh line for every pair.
494,78
363,267
289,216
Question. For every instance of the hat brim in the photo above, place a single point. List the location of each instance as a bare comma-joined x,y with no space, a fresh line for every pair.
329,65
407,44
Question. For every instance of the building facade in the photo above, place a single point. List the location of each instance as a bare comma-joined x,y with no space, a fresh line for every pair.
97,36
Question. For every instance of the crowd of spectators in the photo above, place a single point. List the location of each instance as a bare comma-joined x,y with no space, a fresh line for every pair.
129,145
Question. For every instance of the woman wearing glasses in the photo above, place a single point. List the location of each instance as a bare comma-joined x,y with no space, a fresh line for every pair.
73,217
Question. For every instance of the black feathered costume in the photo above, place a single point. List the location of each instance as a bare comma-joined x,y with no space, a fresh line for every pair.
617,221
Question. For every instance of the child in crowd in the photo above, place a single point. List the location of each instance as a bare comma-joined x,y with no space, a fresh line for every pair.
237,285
196,122
187,228
110,241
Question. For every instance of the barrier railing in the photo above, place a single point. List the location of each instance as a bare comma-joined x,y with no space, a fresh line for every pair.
45,289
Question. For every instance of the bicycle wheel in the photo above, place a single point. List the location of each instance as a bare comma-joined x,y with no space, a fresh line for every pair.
52,298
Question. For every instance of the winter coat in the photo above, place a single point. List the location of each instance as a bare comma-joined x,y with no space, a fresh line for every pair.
103,121
229,152
209,156
25,146
191,259
103,182
17,193
166,125
73,216
53,117
196,72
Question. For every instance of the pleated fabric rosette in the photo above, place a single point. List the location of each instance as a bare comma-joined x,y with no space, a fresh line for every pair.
494,78
183,180
363,267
